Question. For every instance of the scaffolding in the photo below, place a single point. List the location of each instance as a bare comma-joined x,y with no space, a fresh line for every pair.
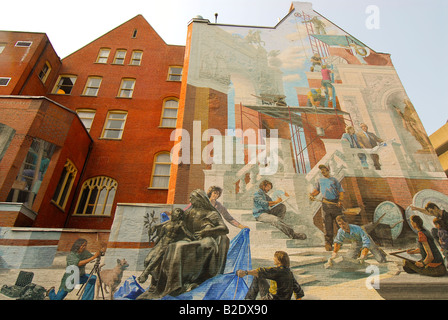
293,116
317,46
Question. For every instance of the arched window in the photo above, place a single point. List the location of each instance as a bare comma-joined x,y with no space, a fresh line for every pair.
97,196
65,184
161,171
169,113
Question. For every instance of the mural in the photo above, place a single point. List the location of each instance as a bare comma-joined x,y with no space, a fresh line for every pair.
310,143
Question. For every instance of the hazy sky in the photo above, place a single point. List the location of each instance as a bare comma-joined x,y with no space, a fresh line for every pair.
412,31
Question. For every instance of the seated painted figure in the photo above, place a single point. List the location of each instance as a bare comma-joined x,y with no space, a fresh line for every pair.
187,263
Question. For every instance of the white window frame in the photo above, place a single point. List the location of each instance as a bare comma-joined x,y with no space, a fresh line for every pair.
7,82
136,61
91,89
172,76
126,92
112,119
86,116
118,59
154,175
43,74
58,84
167,107
24,44
102,56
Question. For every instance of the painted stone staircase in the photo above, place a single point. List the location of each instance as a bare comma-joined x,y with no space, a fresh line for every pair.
266,239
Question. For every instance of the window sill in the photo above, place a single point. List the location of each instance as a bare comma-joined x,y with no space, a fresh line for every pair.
90,216
156,188
113,139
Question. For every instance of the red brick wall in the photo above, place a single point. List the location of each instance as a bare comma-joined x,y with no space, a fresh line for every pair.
40,118
18,114
76,148
130,160
23,64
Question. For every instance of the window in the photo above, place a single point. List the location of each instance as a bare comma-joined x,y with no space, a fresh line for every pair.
114,125
24,44
169,113
43,74
134,33
32,172
103,55
136,58
161,171
4,81
64,85
86,116
92,86
175,74
2,47
119,56
97,197
65,184
126,88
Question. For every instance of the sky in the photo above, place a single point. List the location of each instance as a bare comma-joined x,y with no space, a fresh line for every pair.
412,31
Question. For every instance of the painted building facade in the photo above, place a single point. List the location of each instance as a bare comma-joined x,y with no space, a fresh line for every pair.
265,78
237,105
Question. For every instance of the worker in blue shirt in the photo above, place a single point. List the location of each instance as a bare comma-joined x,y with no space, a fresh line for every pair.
362,243
273,212
332,197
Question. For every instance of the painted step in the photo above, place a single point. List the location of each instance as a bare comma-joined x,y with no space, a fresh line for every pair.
305,279
300,261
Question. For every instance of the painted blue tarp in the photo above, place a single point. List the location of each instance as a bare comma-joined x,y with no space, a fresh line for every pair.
226,286
130,290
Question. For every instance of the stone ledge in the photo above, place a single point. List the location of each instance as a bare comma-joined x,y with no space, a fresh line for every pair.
406,286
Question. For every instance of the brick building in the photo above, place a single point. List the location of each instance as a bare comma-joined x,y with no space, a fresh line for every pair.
28,63
131,90
125,86
97,123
